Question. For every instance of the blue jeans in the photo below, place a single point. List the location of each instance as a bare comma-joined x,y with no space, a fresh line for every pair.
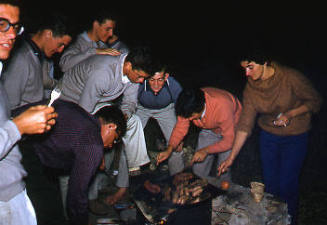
282,159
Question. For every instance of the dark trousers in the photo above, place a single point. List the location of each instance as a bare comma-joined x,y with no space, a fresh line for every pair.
282,159
42,188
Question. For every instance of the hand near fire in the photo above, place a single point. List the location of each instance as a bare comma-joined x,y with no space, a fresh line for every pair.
112,199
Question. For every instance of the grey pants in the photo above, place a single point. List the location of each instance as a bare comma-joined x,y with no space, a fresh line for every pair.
202,169
165,117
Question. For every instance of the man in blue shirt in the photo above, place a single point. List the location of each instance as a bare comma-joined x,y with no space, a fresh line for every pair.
156,99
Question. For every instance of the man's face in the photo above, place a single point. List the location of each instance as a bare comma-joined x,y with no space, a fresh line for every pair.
55,44
7,38
252,69
109,134
157,81
105,30
135,76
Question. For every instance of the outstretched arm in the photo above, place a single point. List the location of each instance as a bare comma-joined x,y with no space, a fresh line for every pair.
239,141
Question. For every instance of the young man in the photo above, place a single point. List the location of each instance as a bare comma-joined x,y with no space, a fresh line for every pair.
15,206
98,39
215,111
157,97
28,72
105,78
76,145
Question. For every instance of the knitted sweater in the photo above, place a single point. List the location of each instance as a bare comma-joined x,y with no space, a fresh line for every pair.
285,90
222,113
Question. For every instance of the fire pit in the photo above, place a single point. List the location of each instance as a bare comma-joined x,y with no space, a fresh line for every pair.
180,199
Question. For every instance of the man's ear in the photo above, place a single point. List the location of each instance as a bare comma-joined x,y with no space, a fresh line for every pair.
166,76
48,33
111,126
96,24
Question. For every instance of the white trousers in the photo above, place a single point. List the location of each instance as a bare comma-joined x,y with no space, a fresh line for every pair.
17,211
134,143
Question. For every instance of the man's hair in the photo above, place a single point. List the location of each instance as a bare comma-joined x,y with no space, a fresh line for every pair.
101,16
16,3
142,58
57,22
112,114
189,101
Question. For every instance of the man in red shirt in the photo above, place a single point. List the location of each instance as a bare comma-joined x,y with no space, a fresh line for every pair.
216,112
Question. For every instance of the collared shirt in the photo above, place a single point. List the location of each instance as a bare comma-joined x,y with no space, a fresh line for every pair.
221,116
74,144
204,112
124,77
37,51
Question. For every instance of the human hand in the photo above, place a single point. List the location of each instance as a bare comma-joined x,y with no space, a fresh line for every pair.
36,120
179,147
112,39
112,199
282,120
153,188
199,156
223,167
107,51
162,156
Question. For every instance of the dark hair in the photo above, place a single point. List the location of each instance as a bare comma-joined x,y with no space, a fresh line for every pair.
142,58
189,101
112,114
16,3
101,15
56,22
257,55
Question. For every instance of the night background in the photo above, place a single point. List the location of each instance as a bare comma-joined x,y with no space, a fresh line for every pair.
201,43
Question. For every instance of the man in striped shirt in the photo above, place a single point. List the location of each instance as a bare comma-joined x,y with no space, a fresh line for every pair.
76,145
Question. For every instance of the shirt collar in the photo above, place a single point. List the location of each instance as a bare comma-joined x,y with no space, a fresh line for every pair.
36,50
1,66
124,78
204,112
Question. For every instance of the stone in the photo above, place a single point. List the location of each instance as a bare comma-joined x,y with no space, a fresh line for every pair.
237,207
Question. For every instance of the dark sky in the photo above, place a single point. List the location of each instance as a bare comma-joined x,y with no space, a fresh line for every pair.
192,33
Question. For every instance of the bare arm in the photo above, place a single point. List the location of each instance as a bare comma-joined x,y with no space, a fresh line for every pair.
285,118
239,141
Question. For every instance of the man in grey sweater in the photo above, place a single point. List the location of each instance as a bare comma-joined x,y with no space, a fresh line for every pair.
99,38
15,206
104,78
28,72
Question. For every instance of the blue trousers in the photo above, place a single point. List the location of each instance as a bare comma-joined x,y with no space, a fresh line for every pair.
282,159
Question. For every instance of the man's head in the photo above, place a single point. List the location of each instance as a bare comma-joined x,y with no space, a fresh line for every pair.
139,64
113,124
102,27
157,81
53,34
255,63
9,26
190,103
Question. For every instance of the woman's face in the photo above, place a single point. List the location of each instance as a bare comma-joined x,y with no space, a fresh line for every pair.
253,70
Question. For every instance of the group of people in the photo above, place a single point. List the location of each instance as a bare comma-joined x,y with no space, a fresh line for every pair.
108,93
